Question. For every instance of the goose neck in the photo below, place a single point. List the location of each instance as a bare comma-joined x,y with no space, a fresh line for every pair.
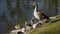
36,8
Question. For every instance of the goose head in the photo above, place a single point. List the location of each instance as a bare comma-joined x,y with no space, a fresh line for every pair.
35,4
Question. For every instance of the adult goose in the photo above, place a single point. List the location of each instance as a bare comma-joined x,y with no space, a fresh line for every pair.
39,15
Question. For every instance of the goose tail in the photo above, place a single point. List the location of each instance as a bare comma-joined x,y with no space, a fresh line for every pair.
52,17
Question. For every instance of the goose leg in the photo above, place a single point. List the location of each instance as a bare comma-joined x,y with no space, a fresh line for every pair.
40,21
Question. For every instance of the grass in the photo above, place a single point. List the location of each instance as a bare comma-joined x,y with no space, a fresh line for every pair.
53,27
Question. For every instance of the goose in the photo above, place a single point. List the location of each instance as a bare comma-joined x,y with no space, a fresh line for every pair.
19,31
39,15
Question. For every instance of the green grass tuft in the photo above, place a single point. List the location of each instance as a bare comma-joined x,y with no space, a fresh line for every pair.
48,28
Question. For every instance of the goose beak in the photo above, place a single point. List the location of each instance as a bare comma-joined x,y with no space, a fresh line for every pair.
33,5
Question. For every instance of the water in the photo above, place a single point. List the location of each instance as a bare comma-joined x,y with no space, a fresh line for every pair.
29,14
